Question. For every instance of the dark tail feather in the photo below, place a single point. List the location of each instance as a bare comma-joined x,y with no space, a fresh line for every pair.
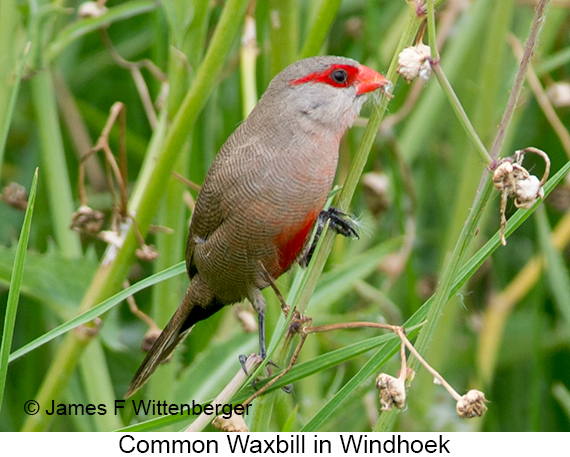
198,304
162,347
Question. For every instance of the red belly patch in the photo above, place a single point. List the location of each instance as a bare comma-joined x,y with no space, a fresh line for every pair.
291,241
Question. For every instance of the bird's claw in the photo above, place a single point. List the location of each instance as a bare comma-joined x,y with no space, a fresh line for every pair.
242,360
339,222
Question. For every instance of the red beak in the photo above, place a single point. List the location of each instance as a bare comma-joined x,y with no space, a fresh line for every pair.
368,80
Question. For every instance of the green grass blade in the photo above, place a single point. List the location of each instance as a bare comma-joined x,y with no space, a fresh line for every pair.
562,394
303,370
463,276
101,308
370,368
7,118
556,271
14,291
82,27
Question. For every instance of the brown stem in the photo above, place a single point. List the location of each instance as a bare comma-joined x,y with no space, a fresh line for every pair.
347,325
544,156
401,334
536,26
184,180
102,144
403,366
542,99
137,312
284,306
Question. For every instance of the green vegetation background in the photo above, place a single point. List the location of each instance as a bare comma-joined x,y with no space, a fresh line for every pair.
505,332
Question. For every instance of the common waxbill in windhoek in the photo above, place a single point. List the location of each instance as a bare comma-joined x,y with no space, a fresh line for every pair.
265,192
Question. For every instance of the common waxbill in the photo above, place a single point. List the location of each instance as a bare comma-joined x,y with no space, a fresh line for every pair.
265,192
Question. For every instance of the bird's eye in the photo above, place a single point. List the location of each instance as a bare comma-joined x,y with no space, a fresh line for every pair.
339,76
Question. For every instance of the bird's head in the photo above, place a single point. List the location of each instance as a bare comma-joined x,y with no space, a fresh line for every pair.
324,91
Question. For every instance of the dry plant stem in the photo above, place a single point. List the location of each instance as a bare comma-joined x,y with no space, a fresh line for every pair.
402,335
137,312
556,3
134,68
190,184
348,325
542,154
536,26
542,99
138,233
225,396
504,198
78,132
403,366
118,109
284,307
442,295
248,57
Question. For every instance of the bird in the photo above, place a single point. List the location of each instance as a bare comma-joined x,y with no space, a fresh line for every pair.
264,195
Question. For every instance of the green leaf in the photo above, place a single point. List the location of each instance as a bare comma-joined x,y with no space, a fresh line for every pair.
14,292
101,308
48,278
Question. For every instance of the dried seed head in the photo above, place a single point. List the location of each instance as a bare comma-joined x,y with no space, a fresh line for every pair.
392,392
528,191
472,404
414,61
87,220
502,175
234,424
146,252
559,94
91,9
15,195
513,180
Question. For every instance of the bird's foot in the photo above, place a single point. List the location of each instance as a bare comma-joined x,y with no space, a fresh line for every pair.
243,359
338,221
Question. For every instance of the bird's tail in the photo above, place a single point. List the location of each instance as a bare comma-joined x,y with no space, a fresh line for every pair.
198,303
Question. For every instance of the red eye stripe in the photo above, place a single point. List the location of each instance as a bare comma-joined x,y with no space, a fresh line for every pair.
327,78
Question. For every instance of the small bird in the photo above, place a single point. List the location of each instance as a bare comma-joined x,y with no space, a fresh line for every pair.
265,193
